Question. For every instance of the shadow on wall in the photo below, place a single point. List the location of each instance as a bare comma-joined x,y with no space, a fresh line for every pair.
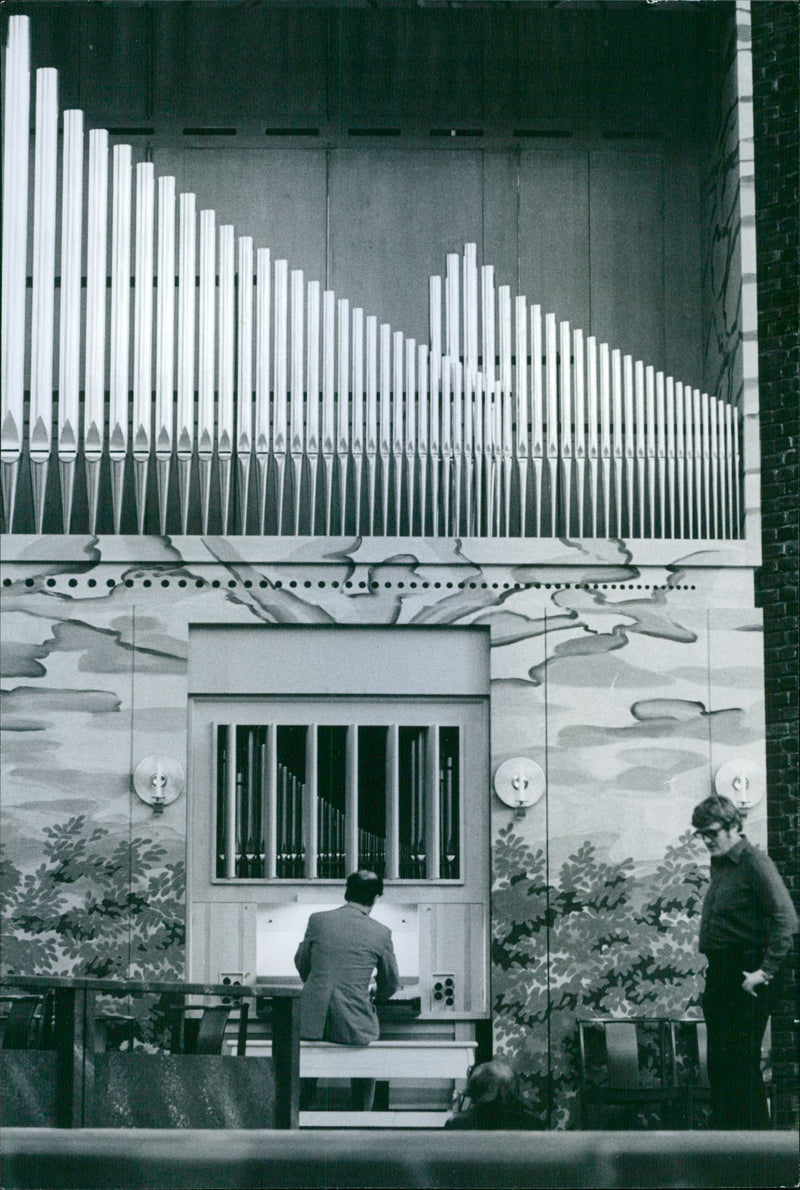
594,942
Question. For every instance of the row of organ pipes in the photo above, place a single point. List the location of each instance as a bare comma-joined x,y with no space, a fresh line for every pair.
224,361
258,795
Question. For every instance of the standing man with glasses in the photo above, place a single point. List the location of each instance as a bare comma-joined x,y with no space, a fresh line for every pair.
746,932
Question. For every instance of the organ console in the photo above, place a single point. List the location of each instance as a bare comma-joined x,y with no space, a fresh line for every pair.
208,350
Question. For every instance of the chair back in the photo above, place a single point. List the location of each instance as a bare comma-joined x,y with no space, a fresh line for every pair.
622,1053
212,1030
690,1045
19,1022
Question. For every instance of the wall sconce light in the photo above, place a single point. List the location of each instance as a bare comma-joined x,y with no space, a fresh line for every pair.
519,783
158,781
742,781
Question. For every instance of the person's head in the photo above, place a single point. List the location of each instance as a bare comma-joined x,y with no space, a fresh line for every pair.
491,1082
719,823
364,887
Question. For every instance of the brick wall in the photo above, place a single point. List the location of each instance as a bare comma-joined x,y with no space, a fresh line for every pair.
776,68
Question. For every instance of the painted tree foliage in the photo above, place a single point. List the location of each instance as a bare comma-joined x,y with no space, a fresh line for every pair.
97,905
596,941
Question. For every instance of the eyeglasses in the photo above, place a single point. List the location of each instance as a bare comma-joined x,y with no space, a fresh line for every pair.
710,832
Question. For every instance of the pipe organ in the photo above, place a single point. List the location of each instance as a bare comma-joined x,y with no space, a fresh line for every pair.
291,789
197,355
306,801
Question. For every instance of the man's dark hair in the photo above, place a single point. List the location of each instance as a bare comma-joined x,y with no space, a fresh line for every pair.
363,887
717,809
492,1082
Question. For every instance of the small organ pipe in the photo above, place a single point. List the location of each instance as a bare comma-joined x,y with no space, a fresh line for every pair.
297,379
650,441
16,110
605,433
143,334
120,324
617,448
506,386
411,428
280,429
580,421
358,411
165,343
186,356
641,449
565,411
447,439
244,375
262,426
452,306
537,413
522,443
661,453
343,407
397,440
680,460
713,425
593,446
312,399
225,340
385,423
629,438
43,285
422,426
95,358
670,416
70,320
551,376
697,427
206,352
372,417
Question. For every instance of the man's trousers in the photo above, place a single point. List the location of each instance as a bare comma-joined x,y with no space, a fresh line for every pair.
736,1022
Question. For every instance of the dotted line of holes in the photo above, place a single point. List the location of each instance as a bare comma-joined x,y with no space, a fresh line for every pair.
374,585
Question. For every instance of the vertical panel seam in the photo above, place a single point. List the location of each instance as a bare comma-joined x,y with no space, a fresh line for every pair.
547,876
130,787
708,697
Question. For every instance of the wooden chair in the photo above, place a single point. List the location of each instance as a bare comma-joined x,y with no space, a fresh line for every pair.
625,1070
18,1030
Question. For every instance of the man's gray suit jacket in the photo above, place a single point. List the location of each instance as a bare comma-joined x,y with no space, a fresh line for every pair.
340,950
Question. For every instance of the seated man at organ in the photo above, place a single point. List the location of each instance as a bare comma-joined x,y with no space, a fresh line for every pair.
336,960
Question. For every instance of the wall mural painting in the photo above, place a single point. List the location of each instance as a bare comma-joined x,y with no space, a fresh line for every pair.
589,940
629,697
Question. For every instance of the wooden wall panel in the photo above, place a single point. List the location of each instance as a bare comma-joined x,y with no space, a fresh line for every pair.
554,233
56,41
501,234
275,196
627,251
259,63
552,71
683,257
117,65
393,218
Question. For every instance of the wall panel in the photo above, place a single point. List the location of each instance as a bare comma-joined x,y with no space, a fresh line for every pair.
393,218
221,65
627,251
554,233
276,196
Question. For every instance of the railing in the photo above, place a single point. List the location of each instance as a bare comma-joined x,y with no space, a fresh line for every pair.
59,1079
507,422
